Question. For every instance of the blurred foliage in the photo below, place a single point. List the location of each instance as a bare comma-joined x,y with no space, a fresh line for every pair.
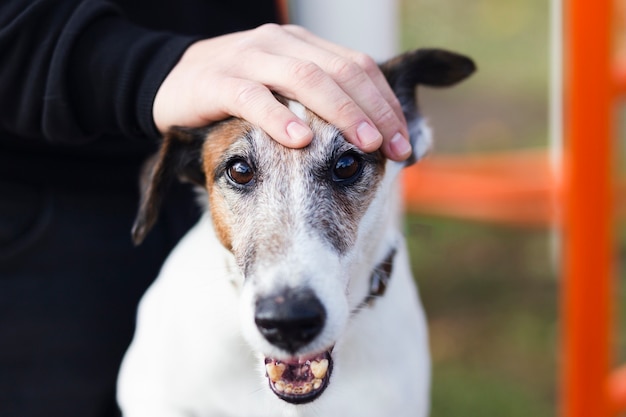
504,105
508,38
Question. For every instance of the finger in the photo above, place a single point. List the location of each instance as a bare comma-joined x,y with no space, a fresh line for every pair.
363,60
379,105
307,83
255,103
361,78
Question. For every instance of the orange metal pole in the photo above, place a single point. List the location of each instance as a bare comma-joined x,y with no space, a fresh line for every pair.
587,283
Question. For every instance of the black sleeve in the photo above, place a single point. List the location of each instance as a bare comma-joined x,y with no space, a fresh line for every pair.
72,71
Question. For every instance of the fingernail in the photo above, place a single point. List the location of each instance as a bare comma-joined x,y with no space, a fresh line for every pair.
298,133
368,135
400,146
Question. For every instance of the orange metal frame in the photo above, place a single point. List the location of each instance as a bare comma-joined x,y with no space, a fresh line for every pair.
518,188
587,287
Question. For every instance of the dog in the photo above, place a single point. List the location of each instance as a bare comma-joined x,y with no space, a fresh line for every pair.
293,295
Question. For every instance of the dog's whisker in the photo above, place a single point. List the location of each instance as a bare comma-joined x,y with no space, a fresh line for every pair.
256,392
317,411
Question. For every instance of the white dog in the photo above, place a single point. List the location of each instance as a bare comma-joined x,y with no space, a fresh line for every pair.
293,295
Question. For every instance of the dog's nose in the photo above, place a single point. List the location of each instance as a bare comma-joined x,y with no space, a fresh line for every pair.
290,319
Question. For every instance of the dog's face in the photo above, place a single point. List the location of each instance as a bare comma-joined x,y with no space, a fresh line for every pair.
306,227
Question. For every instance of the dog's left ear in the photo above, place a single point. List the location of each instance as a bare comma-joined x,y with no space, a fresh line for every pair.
430,67
180,156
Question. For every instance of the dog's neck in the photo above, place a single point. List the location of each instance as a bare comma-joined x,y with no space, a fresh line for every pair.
379,280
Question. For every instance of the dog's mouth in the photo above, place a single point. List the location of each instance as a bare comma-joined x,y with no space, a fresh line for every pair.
301,380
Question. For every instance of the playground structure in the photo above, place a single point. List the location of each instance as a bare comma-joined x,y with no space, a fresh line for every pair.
576,194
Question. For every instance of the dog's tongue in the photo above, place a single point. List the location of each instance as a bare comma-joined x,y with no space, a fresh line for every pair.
301,380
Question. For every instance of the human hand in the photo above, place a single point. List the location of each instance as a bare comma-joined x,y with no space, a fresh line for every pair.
236,74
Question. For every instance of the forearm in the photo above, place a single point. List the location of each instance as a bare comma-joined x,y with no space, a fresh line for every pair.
75,70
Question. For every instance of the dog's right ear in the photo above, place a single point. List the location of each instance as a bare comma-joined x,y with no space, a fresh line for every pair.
180,156
431,67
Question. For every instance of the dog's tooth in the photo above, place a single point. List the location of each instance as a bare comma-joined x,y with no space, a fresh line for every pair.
319,368
280,386
306,388
317,383
289,389
275,371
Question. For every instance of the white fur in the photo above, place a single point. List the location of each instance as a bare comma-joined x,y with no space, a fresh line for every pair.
424,138
197,352
298,109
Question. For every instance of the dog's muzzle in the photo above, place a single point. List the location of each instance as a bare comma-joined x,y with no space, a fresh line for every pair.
290,320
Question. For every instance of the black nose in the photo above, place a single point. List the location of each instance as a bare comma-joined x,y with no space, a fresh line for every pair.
290,319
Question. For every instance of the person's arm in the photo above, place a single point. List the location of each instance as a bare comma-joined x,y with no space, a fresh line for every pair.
74,70
78,69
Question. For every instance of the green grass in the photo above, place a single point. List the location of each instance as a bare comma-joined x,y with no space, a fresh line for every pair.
491,302
479,394
491,296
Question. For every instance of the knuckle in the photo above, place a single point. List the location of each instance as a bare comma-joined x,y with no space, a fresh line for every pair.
295,29
247,93
386,117
269,29
274,111
366,62
255,103
347,110
345,70
306,72
265,34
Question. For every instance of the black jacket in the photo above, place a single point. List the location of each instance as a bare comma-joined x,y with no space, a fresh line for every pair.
78,78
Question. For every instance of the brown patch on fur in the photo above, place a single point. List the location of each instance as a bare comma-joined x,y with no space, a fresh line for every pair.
219,139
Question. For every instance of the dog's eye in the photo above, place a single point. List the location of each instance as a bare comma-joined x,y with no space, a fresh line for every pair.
240,172
347,168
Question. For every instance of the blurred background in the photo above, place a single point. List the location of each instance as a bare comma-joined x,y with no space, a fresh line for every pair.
490,289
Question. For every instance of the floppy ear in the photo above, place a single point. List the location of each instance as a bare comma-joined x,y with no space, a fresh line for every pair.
430,67
180,156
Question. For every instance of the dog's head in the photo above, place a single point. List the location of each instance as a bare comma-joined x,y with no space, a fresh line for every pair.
306,227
